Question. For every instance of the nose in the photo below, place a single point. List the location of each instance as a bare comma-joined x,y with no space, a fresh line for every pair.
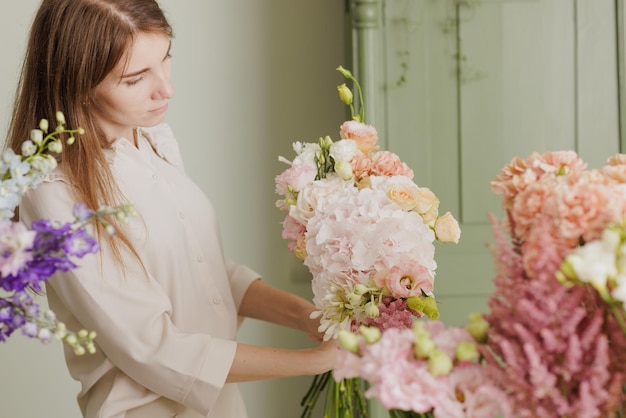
166,89
163,88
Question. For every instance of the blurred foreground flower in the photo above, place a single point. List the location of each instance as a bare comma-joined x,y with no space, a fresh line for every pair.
31,256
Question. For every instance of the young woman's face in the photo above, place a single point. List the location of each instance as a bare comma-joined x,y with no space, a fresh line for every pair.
137,91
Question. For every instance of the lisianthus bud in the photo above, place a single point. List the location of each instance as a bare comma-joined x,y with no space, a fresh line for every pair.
326,142
36,135
477,327
43,125
416,303
354,299
28,148
343,169
371,310
344,72
60,118
348,341
370,334
430,308
360,289
345,94
466,351
422,344
56,147
439,363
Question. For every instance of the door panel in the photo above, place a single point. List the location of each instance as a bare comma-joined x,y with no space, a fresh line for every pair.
466,86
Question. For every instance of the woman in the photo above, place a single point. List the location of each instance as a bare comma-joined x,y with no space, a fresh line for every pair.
162,297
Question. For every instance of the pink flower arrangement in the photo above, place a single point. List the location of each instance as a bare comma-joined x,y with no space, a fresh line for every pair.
361,225
556,350
364,228
430,370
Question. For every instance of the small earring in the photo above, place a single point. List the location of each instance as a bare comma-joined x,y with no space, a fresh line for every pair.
86,102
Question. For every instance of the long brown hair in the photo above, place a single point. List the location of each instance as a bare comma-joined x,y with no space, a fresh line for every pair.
73,45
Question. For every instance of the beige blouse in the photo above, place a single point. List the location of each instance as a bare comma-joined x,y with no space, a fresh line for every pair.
166,339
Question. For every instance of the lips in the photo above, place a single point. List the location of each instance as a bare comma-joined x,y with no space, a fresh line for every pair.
161,109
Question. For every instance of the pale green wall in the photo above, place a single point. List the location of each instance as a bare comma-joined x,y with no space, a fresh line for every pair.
251,77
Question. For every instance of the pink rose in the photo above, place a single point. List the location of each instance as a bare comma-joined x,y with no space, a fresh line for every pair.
364,135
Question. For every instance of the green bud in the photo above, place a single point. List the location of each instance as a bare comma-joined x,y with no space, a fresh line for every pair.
354,299
477,327
423,347
43,125
466,351
430,308
439,363
371,310
345,94
60,118
344,72
360,289
348,341
416,303
326,142
36,135
370,334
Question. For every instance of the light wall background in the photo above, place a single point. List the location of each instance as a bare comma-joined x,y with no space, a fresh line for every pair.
252,76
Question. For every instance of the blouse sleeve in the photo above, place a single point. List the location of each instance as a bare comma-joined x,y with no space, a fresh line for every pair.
131,314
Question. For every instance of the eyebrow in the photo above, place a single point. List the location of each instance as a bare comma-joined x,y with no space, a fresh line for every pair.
143,70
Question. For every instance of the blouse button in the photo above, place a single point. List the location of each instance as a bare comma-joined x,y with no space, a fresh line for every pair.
199,259
182,215
216,300
155,177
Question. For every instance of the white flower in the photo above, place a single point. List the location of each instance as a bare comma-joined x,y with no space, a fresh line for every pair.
343,150
36,135
28,148
595,262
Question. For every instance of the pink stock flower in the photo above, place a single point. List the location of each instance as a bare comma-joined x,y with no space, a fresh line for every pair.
547,344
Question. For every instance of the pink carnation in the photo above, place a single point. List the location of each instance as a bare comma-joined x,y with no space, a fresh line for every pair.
297,176
292,231
364,135
386,163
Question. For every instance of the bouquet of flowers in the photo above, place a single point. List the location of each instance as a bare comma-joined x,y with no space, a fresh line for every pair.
366,231
31,256
554,346
428,371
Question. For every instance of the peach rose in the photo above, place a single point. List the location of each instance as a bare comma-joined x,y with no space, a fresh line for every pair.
447,228
404,195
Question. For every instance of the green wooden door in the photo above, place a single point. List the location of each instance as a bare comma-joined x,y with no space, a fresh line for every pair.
458,88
